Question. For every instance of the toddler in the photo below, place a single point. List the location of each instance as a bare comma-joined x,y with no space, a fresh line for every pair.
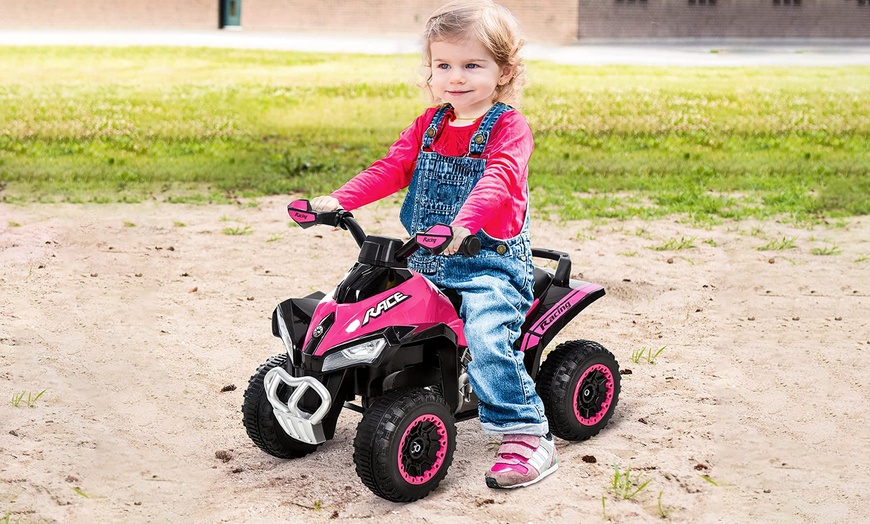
465,163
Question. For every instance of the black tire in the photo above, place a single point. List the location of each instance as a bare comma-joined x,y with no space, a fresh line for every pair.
579,384
404,444
259,420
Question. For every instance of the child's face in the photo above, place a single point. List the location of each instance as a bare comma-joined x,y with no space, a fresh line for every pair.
465,74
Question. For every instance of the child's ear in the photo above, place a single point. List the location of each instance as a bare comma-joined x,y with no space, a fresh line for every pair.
507,74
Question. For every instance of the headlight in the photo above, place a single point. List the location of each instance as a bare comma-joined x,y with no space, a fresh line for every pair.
363,353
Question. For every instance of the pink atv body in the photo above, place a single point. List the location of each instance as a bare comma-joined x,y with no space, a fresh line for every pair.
388,343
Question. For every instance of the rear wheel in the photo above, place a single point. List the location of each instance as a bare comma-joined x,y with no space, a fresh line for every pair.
404,444
259,420
579,385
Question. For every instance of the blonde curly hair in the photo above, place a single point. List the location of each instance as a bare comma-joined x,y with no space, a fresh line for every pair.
490,23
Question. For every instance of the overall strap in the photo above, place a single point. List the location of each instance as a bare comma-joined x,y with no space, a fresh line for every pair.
432,131
480,137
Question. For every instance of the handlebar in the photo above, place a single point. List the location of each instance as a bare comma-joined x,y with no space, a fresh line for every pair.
434,240
302,213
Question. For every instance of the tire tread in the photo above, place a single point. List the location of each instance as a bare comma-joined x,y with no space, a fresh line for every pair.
373,434
555,380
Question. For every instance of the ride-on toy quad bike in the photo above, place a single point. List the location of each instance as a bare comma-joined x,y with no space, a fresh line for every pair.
388,336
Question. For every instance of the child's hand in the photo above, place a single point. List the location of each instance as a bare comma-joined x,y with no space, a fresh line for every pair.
459,234
325,203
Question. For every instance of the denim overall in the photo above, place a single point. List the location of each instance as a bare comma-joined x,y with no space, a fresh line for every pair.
495,285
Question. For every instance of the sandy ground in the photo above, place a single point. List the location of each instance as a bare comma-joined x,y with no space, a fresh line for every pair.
134,318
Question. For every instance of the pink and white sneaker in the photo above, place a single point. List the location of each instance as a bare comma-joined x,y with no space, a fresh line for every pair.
522,461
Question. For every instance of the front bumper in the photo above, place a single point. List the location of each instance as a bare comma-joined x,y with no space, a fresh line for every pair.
301,425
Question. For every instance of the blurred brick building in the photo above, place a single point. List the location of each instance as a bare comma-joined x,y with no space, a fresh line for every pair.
547,21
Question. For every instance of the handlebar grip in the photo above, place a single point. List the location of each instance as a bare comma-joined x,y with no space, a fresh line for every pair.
470,246
331,218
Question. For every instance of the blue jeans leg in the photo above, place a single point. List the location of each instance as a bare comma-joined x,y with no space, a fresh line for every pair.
494,311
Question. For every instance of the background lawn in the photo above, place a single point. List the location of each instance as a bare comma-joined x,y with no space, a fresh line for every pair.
190,124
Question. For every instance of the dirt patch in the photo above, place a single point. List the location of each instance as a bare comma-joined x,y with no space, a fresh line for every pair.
136,318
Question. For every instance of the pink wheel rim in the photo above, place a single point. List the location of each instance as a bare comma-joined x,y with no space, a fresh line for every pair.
595,371
416,445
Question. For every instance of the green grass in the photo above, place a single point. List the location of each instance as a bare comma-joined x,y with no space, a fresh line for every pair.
648,354
198,125
709,479
779,245
624,486
673,244
238,230
826,251
663,510
30,401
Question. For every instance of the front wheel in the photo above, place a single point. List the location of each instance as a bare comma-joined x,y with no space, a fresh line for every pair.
404,444
259,419
579,385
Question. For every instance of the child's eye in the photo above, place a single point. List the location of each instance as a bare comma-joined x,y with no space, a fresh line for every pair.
443,66
472,66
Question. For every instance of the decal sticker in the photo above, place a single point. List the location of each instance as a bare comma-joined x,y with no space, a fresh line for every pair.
300,212
301,216
430,242
384,306
557,312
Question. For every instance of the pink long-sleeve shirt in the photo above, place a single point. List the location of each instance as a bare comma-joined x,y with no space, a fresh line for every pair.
498,202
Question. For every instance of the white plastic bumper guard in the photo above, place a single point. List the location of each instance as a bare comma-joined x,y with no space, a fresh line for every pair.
302,426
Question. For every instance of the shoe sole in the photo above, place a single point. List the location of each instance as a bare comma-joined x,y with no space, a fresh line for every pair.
492,483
